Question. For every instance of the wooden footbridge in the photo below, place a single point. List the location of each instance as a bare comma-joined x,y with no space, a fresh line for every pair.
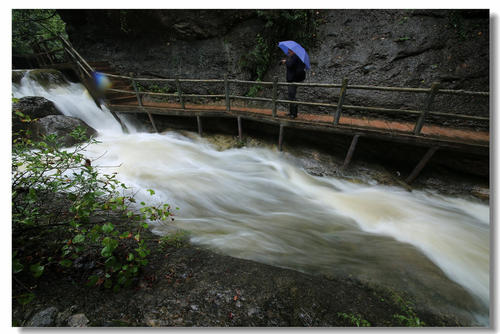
129,94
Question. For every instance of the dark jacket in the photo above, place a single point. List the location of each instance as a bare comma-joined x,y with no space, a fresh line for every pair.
295,69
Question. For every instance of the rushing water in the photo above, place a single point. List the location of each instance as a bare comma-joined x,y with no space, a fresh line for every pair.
256,203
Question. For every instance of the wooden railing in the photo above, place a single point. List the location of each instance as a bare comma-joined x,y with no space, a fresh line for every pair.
338,107
86,71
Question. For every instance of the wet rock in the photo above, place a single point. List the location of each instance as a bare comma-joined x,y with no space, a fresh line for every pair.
61,126
482,193
62,317
45,318
78,320
34,107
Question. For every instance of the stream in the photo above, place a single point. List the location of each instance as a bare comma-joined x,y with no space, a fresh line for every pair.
259,204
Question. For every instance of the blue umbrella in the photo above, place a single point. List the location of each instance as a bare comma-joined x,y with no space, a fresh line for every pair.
298,49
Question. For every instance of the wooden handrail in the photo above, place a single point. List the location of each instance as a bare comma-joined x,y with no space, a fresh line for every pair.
312,104
322,85
76,54
344,87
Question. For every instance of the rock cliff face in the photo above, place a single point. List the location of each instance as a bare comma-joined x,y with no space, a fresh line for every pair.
411,48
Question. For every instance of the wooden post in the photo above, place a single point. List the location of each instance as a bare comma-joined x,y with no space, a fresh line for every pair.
430,99
226,90
240,130
275,94
350,152
341,101
200,130
179,92
425,159
280,140
137,94
139,101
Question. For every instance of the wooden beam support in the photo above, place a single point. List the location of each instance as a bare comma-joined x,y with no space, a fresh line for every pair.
200,129
226,91
139,101
430,98
280,140
350,152
275,94
418,168
179,92
341,102
240,130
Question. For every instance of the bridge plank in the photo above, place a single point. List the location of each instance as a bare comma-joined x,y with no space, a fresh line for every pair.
400,131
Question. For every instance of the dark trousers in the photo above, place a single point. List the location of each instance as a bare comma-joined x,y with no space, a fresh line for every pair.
292,93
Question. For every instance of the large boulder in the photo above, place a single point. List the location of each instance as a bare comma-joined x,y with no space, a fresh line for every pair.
34,107
62,126
45,120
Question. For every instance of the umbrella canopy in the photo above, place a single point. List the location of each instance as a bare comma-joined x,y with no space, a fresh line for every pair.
298,49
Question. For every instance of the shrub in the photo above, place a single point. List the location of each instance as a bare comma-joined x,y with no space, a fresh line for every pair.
67,216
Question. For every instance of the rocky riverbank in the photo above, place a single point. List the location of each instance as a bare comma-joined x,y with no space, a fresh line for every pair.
186,286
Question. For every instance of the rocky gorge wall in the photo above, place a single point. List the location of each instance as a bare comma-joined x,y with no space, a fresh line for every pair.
406,48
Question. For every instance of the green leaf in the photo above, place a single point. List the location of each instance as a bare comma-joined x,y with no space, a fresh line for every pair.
78,238
151,192
37,270
130,257
25,298
92,280
107,228
17,267
107,251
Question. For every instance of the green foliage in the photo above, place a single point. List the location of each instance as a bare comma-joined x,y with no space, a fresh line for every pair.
354,319
409,318
176,240
32,25
56,196
254,90
299,25
284,24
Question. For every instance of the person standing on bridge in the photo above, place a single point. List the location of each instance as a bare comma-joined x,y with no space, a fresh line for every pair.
296,63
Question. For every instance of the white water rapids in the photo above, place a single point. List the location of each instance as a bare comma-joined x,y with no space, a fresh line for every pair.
254,203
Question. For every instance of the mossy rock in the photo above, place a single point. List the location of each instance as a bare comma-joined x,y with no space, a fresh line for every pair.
48,78
17,75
